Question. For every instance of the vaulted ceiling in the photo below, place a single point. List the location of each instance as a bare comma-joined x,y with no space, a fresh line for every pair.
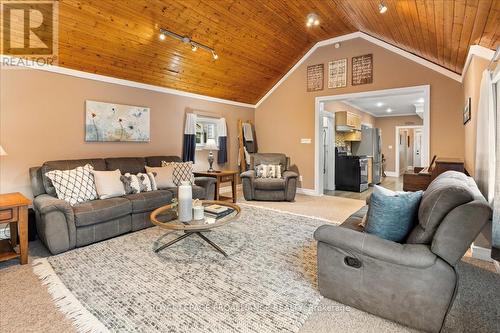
257,41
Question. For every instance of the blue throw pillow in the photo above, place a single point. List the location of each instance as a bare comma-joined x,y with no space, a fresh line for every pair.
392,217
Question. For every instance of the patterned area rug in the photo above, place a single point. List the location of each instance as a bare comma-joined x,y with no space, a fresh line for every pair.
267,284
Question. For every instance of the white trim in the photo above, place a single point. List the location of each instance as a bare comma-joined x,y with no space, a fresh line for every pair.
65,301
378,42
481,253
308,191
476,50
128,83
424,160
391,174
397,115
425,89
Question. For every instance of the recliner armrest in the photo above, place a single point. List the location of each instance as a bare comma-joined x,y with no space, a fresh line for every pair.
412,255
248,174
46,203
289,174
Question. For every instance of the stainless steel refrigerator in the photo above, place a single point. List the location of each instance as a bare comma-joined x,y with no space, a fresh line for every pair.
371,145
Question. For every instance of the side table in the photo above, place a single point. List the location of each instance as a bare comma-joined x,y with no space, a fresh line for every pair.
221,177
14,210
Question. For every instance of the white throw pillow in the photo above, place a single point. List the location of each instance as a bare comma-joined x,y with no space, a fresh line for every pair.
164,176
183,171
74,186
108,184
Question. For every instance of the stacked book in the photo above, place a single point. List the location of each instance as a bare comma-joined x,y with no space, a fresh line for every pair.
218,211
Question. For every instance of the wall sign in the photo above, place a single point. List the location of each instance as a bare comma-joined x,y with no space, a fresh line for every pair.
362,69
337,73
315,77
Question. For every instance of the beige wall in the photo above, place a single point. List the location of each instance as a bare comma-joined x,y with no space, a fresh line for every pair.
472,85
388,128
287,115
42,118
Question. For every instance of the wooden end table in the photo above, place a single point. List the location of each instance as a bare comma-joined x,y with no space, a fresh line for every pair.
14,210
226,176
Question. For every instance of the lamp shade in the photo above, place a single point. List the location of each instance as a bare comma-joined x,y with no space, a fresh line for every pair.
211,145
2,152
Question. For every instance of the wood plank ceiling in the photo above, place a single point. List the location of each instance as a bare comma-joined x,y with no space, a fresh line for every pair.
257,41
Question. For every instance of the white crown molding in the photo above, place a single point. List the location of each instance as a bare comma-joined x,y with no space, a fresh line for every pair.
478,51
358,108
122,82
378,42
396,115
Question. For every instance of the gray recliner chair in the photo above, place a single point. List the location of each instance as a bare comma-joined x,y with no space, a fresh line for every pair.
269,189
412,283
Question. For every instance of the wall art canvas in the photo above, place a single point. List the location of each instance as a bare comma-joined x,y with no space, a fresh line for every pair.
337,73
315,77
105,122
362,69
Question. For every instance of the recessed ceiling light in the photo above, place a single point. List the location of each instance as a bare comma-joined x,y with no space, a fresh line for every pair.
389,110
379,104
194,47
162,36
382,8
312,19
214,55
420,100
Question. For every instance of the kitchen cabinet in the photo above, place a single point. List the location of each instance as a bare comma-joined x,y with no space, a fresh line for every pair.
355,135
348,120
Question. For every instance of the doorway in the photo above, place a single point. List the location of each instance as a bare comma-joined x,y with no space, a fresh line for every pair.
327,155
409,152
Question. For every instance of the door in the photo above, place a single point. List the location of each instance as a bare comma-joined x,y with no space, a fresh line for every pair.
417,148
403,150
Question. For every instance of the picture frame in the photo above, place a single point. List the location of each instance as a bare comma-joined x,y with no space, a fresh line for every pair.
337,73
362,70
315,77
467,111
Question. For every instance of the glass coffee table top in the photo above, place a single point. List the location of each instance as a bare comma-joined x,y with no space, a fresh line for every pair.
166,218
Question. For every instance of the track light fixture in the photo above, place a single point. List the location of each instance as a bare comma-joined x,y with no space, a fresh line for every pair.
187,40
382,8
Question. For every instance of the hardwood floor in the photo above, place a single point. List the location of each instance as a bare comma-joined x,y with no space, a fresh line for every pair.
392,183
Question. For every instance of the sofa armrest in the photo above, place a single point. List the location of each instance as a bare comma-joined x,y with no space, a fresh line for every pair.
208,183
412,255
248,174
289,174
55,223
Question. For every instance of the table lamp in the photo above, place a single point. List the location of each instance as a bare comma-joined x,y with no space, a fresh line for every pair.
211,145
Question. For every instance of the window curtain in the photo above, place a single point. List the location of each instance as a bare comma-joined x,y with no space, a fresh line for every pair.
222,132
189,142
485,144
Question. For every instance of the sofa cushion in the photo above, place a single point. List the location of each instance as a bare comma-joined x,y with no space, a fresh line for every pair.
269,184
443,195
155,161
108,184
198,192
97,164
97,211
133,165
392,217
148,201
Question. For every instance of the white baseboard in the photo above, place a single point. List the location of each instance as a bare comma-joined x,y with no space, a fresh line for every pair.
391,174
229,189
481,253
307,191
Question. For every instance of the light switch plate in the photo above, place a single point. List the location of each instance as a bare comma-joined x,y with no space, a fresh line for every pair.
305,140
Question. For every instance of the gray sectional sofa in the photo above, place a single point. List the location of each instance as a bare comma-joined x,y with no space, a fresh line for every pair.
63,227
412,283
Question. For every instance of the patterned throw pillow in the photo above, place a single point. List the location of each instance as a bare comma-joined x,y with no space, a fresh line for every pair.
131,183
74,186
268,171
147,181
183,171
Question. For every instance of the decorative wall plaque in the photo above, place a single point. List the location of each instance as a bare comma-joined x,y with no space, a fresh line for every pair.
337,73
362,69
315,77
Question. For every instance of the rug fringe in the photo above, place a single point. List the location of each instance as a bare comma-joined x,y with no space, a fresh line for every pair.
65,301
288,212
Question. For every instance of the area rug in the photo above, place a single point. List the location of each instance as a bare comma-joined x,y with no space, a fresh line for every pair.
267,284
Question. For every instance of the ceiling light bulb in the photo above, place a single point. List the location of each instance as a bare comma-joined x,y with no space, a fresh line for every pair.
382,8
379,104
162,36
194,48
316,22
308,24
215,55
312,19
389,110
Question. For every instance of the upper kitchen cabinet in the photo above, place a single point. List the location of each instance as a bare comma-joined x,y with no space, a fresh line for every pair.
346,121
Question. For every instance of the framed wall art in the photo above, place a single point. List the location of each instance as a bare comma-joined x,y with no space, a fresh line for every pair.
315,77
362,69
337,73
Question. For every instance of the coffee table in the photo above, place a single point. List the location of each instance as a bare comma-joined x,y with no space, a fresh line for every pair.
194,227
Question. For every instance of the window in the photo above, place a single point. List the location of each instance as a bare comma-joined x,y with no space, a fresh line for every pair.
206,128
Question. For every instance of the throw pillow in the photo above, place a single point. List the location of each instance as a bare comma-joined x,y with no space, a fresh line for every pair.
131,183
183,171
392,217
147,181
74,186
108,184
268,171
164,176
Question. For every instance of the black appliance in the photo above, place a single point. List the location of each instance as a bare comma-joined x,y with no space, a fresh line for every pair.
351,172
